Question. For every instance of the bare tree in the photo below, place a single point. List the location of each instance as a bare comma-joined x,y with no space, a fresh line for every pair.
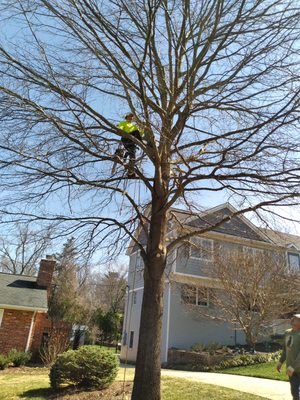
215,84
252,289
21,251
109,290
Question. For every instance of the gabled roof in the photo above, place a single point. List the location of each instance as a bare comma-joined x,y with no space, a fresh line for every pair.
237,225
283,239
21,292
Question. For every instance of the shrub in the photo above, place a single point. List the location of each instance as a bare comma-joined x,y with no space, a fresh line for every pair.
244,360
198,347
4,362
18,358
89,366
211,347
229,362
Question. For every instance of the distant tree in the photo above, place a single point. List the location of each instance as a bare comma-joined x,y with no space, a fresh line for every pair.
109,289
105,298
20,253
109,324
66,303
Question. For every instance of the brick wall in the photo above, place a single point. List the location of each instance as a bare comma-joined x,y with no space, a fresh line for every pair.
41,324
14,330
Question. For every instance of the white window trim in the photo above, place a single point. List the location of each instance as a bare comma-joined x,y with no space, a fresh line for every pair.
1,315
197,297
207,297
200,241
293,253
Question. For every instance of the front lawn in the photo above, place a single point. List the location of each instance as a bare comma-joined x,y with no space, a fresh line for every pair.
33,383
265,370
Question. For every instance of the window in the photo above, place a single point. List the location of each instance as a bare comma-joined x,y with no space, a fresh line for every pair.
202,297
1,315
294,262
124,338
201,249
195,296
252,251
134,296
138,262
131,339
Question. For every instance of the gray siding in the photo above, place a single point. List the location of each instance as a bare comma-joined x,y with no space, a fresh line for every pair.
234,227
131,324
135,272
199,267
187,327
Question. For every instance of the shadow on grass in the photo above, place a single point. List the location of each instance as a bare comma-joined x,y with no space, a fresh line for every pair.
48,393
45,393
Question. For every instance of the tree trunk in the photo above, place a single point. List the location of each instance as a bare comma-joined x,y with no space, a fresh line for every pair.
148,363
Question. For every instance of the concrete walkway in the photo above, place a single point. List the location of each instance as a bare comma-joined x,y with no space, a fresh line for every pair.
268,388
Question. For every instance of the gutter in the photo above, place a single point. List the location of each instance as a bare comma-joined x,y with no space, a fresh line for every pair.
23,308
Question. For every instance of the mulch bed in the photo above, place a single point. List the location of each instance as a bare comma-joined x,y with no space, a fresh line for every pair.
113,392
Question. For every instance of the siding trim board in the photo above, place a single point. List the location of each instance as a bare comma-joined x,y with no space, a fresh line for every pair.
180,277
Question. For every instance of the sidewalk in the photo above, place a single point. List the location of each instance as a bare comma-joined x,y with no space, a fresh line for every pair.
268,388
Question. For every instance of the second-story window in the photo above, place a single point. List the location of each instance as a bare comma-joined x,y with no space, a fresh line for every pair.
201,249
294,262
138,262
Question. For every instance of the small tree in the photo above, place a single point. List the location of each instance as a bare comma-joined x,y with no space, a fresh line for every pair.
253,288
109,289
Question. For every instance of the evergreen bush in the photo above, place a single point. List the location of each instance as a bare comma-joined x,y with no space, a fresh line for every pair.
89,367
18,358
4,362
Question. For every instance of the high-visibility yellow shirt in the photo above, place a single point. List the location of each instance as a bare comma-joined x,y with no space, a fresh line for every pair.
129,127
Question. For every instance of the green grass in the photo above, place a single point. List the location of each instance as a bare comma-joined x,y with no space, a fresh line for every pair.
266,370
183,389
15,383
33,383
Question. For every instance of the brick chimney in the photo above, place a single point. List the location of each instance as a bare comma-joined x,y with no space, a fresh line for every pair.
45,273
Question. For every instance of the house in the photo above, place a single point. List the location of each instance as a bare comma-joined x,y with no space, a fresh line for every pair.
188,265
23,308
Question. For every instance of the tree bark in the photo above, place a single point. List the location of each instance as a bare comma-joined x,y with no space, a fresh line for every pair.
148,363
147,373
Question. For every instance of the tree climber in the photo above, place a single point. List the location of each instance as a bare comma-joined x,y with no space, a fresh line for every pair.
130,147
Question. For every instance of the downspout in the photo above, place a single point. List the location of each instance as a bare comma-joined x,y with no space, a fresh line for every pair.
30,331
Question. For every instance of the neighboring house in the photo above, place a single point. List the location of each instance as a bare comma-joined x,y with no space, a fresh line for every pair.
23,308
188,265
